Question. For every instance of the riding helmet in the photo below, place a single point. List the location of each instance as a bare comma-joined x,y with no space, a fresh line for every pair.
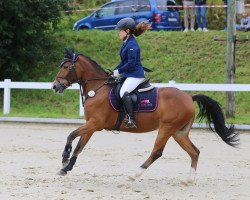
126,23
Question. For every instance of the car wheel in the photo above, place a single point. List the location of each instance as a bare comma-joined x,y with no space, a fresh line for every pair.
83,28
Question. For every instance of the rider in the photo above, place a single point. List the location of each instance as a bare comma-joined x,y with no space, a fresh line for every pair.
130,66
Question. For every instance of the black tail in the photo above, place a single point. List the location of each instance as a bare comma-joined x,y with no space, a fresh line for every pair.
211,109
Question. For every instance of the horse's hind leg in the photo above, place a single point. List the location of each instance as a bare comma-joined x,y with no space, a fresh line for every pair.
163,135
183,140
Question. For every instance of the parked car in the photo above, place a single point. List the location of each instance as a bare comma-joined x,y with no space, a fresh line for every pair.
153,11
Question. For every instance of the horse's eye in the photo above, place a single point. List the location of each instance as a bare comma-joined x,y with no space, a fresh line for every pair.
65,67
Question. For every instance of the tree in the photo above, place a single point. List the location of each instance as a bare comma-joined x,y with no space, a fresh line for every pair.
24,29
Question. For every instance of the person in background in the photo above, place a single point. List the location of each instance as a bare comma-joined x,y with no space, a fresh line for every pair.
201,15
244,22
189,11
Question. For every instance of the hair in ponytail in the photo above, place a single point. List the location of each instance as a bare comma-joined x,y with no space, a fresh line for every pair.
141,28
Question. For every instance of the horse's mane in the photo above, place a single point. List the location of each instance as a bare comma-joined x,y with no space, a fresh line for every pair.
70,55
95,64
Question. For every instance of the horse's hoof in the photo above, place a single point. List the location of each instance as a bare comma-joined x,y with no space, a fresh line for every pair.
62,173
187,182
138,174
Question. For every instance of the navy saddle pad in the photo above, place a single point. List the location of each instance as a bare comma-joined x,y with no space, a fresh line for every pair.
146,101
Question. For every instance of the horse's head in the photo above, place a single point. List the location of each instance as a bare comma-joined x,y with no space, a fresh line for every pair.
68,74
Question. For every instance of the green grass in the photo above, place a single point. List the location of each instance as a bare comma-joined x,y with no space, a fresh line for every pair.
183,57
44,103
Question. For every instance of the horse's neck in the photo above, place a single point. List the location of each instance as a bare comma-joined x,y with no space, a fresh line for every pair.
91,70
94,75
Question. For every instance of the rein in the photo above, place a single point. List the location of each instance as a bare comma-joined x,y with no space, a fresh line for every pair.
108,81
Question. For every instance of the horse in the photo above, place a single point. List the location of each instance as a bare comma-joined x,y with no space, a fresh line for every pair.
173,116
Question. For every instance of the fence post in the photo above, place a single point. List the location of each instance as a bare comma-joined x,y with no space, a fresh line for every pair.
81,111
6,97
231,51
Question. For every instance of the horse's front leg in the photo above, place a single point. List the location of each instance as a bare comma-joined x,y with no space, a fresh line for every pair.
85,131
68,146
68,165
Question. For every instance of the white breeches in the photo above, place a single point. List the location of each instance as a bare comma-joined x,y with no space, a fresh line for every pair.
130,84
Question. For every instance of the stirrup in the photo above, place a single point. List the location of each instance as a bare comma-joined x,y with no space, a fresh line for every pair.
129,123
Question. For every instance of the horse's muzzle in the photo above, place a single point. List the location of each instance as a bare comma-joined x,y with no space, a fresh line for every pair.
58,87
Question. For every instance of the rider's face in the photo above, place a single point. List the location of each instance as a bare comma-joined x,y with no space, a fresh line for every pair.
122,34
244,14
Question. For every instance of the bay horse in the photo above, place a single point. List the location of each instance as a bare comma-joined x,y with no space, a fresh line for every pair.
173,117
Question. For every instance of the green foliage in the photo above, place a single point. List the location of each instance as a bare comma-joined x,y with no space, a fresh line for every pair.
43,103
216,17
24,29
79,9
172,55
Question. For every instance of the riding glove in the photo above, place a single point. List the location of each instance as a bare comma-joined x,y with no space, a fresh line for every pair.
116,73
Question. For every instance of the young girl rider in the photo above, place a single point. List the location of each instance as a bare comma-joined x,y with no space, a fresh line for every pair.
130,66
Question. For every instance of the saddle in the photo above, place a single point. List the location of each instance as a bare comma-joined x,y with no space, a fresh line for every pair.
144,98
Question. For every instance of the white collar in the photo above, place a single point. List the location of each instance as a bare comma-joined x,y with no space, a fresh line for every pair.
126,39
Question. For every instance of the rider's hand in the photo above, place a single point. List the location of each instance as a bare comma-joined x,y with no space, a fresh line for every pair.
116,73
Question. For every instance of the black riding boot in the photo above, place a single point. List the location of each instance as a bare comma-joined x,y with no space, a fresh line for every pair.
127,102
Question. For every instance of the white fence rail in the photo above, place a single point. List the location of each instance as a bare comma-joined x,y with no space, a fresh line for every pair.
7,85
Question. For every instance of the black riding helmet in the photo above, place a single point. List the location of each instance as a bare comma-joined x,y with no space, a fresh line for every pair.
126,23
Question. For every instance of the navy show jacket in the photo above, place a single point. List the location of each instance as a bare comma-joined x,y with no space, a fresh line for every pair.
130,65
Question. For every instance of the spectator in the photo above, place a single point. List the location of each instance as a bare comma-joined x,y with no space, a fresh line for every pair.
244,22
201,15
189,11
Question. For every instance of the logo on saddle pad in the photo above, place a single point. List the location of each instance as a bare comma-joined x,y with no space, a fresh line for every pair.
147,101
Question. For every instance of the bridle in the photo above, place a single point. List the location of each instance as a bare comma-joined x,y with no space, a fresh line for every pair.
81,83
71,70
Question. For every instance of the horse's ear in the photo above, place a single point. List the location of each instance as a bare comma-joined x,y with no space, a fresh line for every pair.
66,52
71,51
